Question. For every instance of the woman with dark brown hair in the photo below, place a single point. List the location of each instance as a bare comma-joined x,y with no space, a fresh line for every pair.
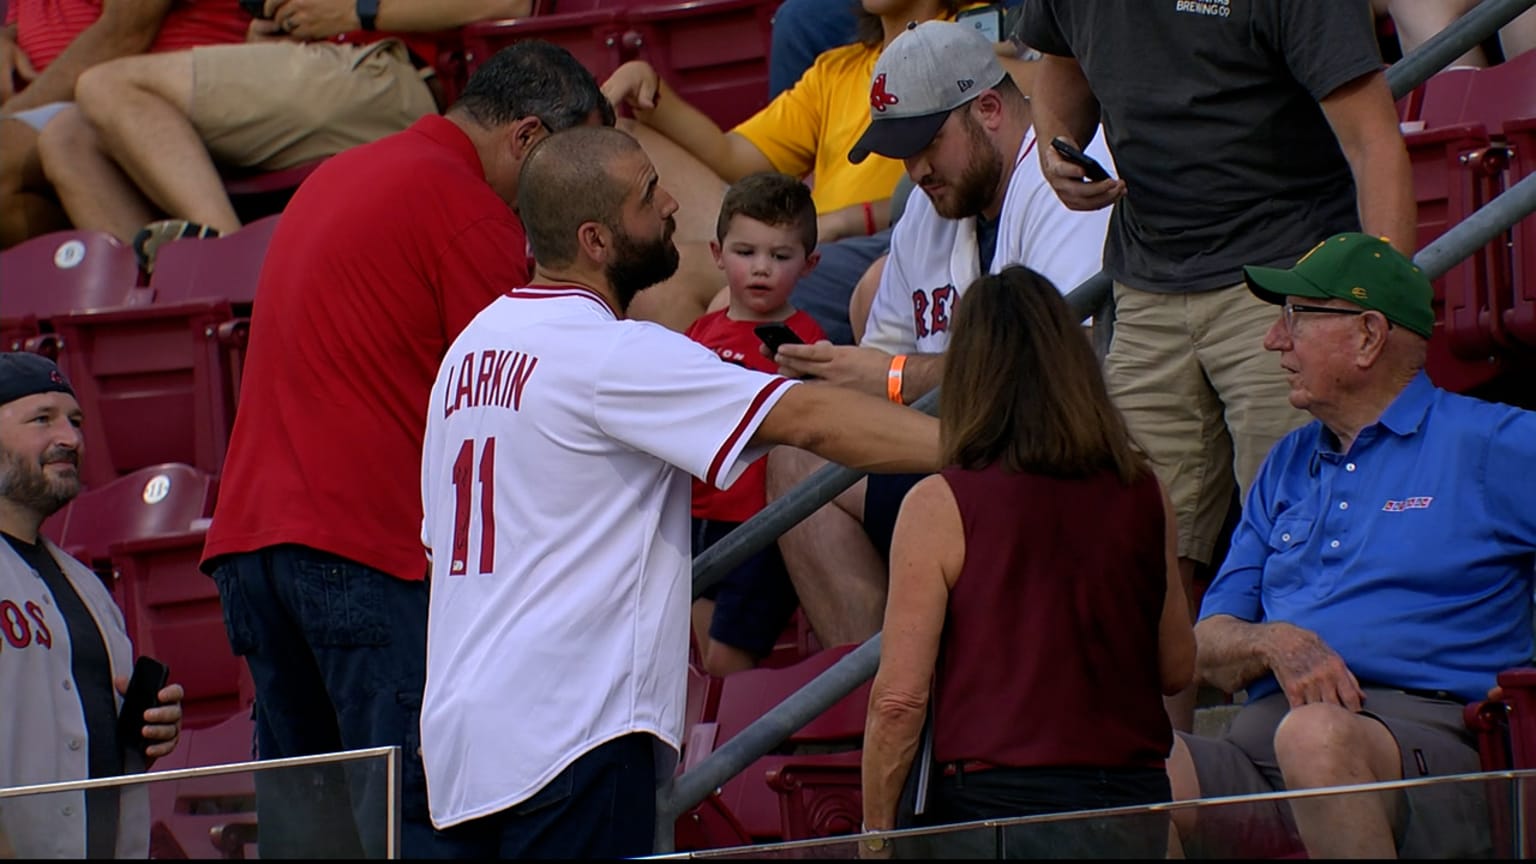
1034,598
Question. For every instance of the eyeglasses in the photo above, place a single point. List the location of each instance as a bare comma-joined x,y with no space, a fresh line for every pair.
1290,310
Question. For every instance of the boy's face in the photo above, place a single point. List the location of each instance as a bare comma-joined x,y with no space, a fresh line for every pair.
761,263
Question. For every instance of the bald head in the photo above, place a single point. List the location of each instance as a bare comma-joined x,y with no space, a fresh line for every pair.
569,180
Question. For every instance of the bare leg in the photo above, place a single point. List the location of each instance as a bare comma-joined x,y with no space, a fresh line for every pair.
839,576
1185,784
676,302
1519,35
96,193
141,105
863,297
1321,745
721,659
1418,20
27,206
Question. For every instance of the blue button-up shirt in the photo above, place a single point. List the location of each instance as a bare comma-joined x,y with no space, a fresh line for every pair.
1411,555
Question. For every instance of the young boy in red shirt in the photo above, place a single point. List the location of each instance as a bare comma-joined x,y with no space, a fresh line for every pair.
766,241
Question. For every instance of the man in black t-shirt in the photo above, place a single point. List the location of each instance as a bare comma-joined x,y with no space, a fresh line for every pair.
64,654
1244,132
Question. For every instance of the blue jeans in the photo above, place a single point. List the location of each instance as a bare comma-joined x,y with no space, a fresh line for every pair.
603,805
337,651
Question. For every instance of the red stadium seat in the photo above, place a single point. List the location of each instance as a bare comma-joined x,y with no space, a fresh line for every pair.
58,273
836,735
592,37
153,501
206,817
713,53
1519,314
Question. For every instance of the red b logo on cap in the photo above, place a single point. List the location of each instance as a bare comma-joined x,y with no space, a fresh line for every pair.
878,98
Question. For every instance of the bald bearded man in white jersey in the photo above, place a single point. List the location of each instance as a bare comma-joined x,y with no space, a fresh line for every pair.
556,486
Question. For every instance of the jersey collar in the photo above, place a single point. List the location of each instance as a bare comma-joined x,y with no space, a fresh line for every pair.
546,292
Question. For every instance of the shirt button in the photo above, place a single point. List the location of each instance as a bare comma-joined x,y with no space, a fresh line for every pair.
1349,467
69,811
1334,544
1285,537
47,601
1343,505
74,743
68,685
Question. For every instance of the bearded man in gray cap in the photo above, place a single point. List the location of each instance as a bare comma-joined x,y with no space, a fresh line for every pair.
65,656
941,103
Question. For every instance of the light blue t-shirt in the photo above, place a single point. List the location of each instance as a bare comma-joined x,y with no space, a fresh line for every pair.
1412,555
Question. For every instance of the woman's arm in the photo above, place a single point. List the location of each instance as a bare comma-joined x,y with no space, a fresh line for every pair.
927,551
1175,634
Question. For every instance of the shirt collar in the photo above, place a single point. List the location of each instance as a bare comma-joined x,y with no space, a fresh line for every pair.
1407,411
447,133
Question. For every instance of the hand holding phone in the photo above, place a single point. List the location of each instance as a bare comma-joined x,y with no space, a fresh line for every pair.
1095,172
149,678
775,334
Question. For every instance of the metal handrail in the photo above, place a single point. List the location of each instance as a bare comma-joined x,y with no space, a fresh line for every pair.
677,795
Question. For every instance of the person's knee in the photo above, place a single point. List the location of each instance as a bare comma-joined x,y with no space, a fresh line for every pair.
1320,741
65,142
99,92
787,467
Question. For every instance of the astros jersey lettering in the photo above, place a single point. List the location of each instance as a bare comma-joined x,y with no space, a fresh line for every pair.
555,488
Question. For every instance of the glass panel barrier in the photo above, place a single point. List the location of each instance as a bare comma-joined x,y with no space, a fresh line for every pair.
1464,816
337,805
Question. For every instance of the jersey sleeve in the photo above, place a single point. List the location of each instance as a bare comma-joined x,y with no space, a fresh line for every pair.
787,130
889,325
483,262
664,395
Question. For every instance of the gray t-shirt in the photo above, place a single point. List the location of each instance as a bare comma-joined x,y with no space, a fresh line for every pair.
1211,110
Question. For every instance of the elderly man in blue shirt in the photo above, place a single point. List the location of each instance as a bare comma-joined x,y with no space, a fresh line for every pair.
1381,576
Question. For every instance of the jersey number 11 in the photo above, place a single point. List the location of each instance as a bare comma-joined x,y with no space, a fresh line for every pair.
463,481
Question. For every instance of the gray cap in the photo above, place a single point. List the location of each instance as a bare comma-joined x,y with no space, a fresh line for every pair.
925,73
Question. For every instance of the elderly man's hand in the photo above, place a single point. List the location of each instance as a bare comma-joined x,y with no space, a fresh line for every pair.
314,19
844,365
1308,670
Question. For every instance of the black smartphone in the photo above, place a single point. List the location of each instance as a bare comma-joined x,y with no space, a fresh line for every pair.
988,20
1077,157
777,333
256,8
149,678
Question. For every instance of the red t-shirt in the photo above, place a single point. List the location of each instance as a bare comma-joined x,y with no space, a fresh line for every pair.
735,342
44,28
384,254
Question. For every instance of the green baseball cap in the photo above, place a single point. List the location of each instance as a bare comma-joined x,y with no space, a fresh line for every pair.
1359,268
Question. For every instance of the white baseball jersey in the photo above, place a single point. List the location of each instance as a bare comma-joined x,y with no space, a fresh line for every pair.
933,260
556,492
42,724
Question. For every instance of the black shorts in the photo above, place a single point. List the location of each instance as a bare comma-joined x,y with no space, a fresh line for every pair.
883,494
753,602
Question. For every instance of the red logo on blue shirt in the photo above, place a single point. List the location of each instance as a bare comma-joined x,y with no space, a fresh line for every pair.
1419,503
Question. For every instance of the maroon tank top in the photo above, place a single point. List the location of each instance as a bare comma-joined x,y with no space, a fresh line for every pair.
1049,655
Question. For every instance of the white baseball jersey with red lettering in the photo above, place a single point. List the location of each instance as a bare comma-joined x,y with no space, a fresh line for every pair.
555,485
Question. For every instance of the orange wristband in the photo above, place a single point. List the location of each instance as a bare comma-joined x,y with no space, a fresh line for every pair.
869,219
893,378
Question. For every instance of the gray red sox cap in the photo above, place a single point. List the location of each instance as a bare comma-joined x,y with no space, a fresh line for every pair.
925,73
25,374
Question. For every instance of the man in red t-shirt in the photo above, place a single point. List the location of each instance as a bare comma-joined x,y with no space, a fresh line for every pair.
317,77
380,259
765,242
44,47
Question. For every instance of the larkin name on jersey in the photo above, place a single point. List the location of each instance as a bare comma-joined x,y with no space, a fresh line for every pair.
931,310
492,378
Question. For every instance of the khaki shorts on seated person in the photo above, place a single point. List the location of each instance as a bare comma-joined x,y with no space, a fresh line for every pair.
1201,395
1448,820
274,105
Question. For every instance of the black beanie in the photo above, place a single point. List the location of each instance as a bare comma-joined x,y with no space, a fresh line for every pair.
23,373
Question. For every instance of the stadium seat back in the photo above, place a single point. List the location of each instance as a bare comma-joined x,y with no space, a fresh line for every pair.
152,501
213,268
591,35
1506,91
1520,313
713,53
1445,95
58,273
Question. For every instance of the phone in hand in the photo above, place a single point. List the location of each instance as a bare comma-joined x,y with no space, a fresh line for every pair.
1094,170
255,8
775,334
988,20
149,677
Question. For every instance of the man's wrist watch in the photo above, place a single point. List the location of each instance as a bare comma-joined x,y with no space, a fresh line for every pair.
367,13
874,844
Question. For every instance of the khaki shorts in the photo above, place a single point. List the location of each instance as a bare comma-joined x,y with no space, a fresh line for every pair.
1201,396
1451,820
273,105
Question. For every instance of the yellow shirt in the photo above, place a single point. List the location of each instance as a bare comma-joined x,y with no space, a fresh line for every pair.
810,128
